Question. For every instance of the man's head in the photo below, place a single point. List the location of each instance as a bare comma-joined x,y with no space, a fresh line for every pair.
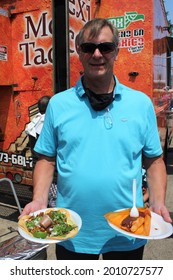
42,103
97,46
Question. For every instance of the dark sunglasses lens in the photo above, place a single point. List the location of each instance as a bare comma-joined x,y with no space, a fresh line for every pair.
106,47
103,47
88,47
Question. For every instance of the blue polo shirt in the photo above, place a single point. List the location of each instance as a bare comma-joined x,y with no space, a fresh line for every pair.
98,156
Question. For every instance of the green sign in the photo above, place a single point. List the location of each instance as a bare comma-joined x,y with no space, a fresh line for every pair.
123,22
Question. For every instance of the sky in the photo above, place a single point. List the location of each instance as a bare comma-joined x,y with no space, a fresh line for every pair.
169,9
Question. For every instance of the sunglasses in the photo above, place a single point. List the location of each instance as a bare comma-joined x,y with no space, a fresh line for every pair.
104,48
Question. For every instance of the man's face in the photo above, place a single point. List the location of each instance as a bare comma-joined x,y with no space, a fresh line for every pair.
98,64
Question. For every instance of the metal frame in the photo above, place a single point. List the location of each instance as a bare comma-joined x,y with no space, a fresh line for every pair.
14,192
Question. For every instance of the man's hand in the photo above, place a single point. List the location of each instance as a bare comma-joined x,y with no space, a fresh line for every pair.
32,207
157,184
163,211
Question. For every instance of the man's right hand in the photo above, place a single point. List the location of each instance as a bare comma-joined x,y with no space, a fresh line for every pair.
32,207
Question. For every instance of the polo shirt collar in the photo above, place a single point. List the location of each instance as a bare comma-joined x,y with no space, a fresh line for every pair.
80,89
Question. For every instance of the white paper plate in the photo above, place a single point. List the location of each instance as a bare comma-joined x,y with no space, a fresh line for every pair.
159,228
75,217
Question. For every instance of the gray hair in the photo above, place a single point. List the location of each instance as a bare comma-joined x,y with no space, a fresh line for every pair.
95,26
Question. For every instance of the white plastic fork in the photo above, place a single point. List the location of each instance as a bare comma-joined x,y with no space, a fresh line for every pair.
134,211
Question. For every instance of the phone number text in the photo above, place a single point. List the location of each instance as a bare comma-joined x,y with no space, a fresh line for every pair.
15,159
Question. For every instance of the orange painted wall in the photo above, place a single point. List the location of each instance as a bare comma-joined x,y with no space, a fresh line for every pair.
5,41
26,75
31,44
140,61
78,16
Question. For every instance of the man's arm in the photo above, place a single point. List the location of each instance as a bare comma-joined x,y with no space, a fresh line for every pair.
42,180
157,183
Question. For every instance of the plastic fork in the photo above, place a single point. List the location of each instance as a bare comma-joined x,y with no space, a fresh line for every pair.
134,211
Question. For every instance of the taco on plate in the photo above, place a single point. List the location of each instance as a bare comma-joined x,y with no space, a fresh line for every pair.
55,224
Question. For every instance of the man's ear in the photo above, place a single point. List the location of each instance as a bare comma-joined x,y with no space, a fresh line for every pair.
77,49
77,44
116,54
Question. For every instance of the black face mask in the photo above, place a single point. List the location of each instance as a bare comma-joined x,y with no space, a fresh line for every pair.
99,101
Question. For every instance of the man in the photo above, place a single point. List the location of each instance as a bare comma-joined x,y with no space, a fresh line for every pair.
99,131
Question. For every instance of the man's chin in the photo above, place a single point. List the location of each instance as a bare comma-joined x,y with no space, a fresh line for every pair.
97,73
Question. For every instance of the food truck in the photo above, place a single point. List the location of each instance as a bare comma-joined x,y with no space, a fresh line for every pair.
38,57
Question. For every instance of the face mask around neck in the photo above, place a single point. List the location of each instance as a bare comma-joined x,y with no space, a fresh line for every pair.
99,101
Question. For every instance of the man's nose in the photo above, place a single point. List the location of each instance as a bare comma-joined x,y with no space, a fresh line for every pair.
97,53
